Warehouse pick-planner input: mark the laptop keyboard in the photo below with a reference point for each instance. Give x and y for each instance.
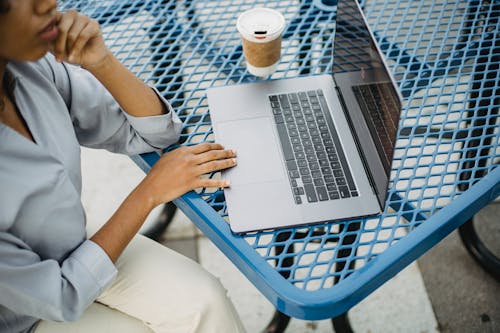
(316, 163)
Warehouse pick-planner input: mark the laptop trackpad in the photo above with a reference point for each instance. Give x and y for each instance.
(259, 157)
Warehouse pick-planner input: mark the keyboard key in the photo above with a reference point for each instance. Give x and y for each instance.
(297, 147)
(310, 193)
(334, 165)
(310, 154)
(331, 187)
(324, 163)
(314, 165)
(304, 171)
(321, 155)
(338, 173)
(311, 158)
(318, 147)
(284, 101)
(291, 165)
(318, 181)
(302, 163)
(285, 143)
(298, 200)
(326, 171)
(328, 178)
(344, 192)
(331, 150)
(298, 191)
(340, 181)
(322, 194)
(334, 195)
(278, 118)
(302, 128)
(307, 179)
(316, 174)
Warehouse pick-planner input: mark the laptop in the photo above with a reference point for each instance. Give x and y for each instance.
(311, 149)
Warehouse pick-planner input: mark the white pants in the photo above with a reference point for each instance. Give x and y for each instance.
(156, 290)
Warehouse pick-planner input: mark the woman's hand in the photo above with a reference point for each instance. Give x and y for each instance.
(180, 171)
(79, 40)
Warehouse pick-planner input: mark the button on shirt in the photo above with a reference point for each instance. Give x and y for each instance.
(48, 269)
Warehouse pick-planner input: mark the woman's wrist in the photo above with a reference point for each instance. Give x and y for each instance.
(144, 195)
(101, 66)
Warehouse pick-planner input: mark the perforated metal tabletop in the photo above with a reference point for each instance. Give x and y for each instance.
(445, 56)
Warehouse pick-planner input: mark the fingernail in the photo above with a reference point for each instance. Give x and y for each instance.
(234, 161)
(227, 183)
(233, 151)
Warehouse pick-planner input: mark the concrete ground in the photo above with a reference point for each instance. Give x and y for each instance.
(444, 292)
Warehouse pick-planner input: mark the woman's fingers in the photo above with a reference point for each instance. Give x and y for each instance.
(79, 37)
(212, 155)
(207, 182)
(74, 32)
(204, 147)
(217, 165)
(65, 21)
(79, 40)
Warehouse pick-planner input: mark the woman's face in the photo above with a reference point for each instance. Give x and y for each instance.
(28, 29)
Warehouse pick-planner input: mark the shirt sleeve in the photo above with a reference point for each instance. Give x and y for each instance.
(99, 121)
(47, 289)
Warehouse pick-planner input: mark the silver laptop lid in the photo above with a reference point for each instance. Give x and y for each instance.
(358, 64)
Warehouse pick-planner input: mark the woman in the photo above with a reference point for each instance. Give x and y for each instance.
(52, 278)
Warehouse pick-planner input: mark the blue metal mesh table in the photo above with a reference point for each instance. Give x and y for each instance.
(445, 57)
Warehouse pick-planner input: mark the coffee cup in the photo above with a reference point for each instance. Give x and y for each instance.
(261, 30)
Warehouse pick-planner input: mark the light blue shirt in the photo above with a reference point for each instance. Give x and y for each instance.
(48, 269)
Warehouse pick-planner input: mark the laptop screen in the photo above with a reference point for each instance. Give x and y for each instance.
(355, 52)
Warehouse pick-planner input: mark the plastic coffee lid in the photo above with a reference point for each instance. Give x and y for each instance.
(260, 25)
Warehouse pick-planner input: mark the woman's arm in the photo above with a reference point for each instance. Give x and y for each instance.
(80, 42)
(176, 173)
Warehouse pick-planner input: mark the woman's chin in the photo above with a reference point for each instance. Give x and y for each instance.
(37, 55)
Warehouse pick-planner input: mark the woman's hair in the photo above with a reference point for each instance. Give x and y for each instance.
(4, 6)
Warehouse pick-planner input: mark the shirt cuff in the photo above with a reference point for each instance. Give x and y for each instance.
(156, 124)
(97, 263)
